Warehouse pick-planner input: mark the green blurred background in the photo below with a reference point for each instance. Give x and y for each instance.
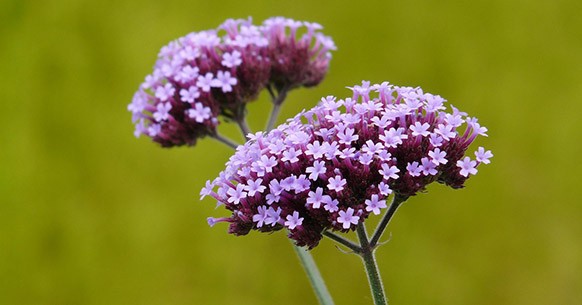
(90, 215)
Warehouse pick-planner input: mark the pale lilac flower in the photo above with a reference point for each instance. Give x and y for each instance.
(165, 92)
(224, 81)
(138, 103)
(231, 60)
(446, 131)
(293, 220)
(206, 190)
(483, 156)
(434, 103)
(199, 113)
(267, 163)
(316, 170)
(190, 53)
(382, 122)
(315, 149)
(454, 120)
(140, 129)
(253, 187)
(468, 167)
(315, 199)
(347, 218)
(389, 172)
(163, 112)
(331, 205)
(187, 74)
(361, 91)
(277, 148)
(347, 153)
(428, 167)
(288, 183)
(301, 184)
(154, 129)
(236, 194)
(291, 155)
(336, 183)
(189, 95)
(366, 158)
(438, 156)
(371, 147)
(273, 216)
(261, 216)
(436, 140)
(384, 188)
(347, 136)
(384, 155)
(204, 82)
(419, 129)
(414, 169)
(393, 137)
(374, 205)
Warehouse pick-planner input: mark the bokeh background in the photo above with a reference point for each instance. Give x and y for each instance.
(90, 215)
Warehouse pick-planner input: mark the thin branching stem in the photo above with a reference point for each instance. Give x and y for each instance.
(306, 260)
(277, 101)
(342, 241)
(398, 199)
(371, 266)
(273, 117)
(244, 127)
(224, 140)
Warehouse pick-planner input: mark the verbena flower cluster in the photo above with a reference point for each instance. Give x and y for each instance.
(210, 73)
(330, 167)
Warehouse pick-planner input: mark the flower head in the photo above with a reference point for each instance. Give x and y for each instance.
(216, 72)
(299, 53)
(196, 78)
(349, 156)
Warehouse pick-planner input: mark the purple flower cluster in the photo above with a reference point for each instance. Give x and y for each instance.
(297, 60)
(210, 73)
(330, 167)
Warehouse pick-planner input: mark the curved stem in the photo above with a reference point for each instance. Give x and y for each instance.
(277, 102)
(244, 127)
(314, 276)
(224, 140)
(342, 241)
(398, 199)
(372, 271)
(273, 117)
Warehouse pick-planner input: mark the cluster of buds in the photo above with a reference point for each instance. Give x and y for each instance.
(297, 60)
(208, 74)
(329, 168)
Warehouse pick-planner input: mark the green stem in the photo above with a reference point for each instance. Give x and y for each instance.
(244, 127)
(398, 199)
(277, 102)
(372, 271)
(224, 140)
(314, 276)
(342, 241)
(273, 117)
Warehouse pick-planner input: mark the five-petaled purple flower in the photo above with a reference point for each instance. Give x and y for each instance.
(329, 168)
